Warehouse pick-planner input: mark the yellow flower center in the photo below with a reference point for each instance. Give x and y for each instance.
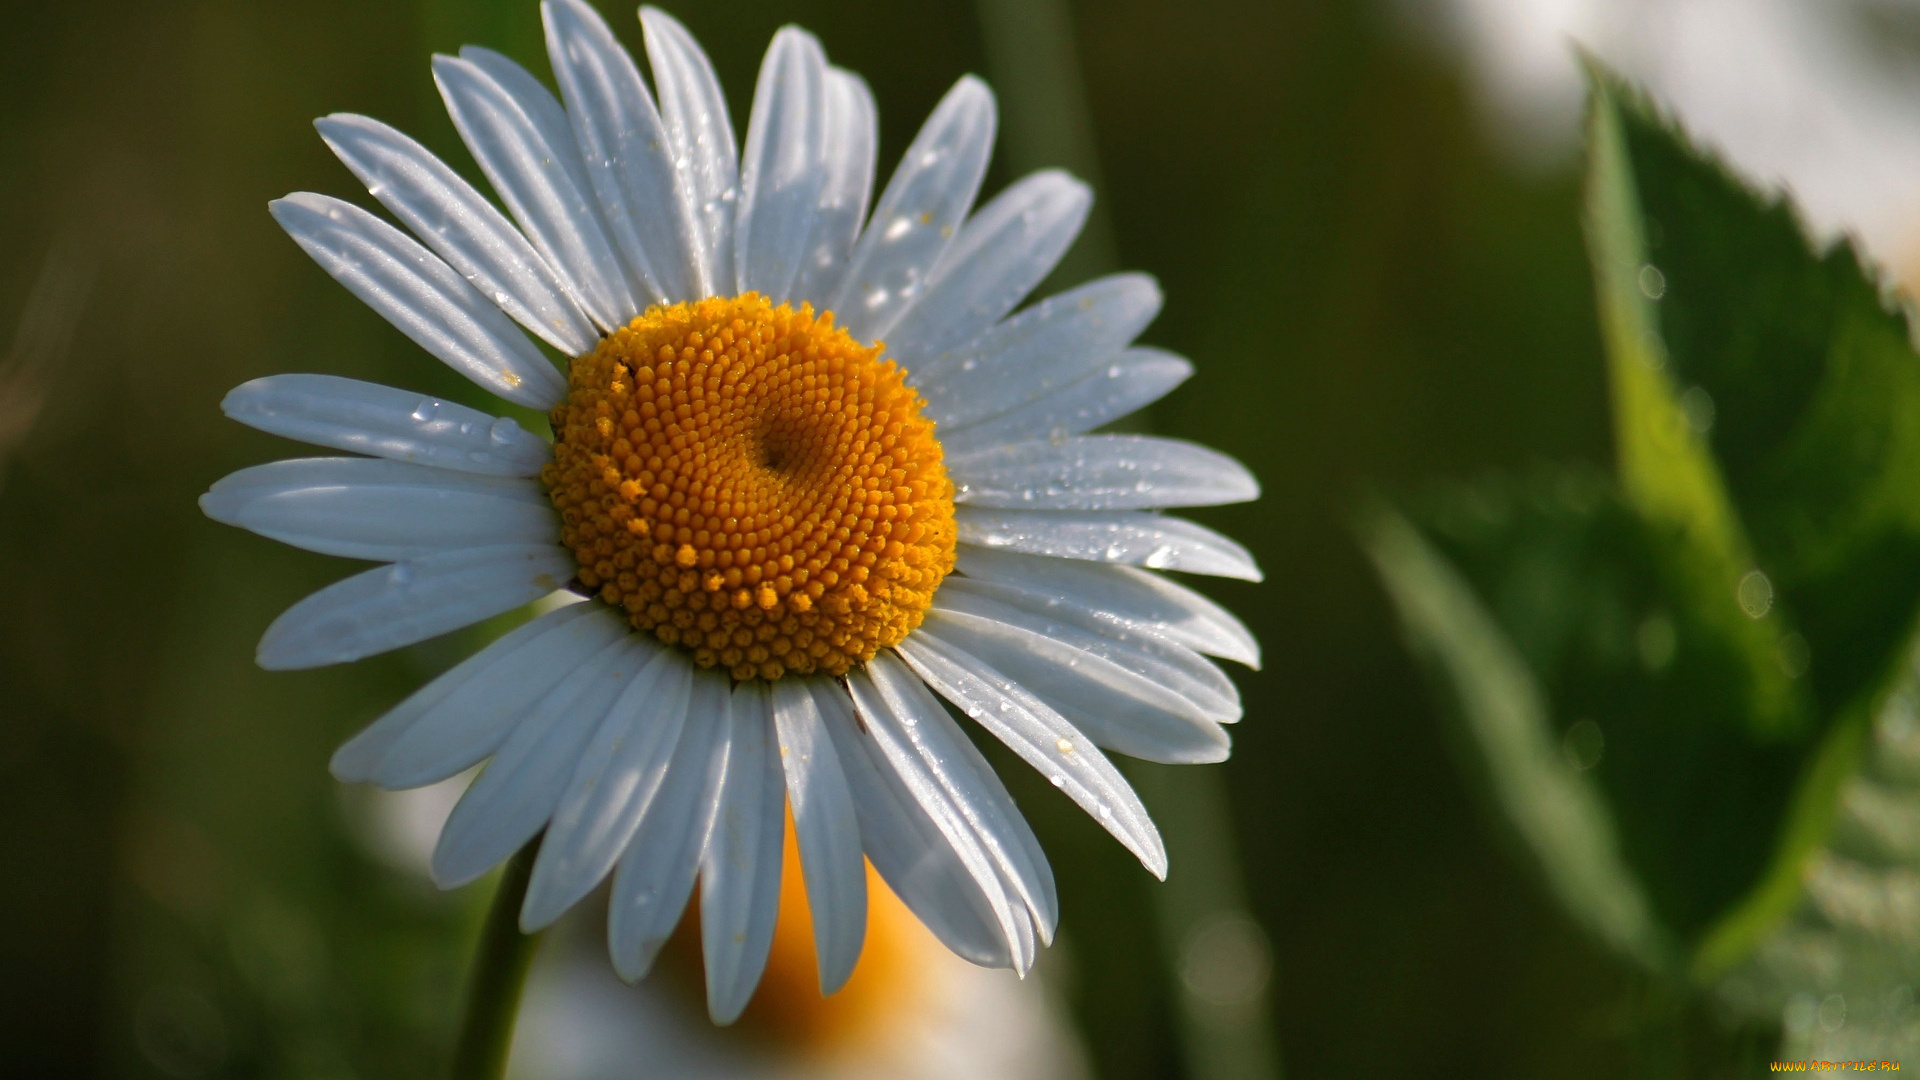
(750, 483)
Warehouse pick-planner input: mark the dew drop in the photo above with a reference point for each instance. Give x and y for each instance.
(1833, 1013)
(1226, 961)
(1657, 640)
(1755, 594)
(1583, 744)
(1653, 283)
(1697, 406)
(504, 431)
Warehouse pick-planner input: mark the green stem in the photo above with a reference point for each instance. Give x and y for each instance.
(1225, 1007)
(499, 974)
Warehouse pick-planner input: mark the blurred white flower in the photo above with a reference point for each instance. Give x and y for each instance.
(911, 1010)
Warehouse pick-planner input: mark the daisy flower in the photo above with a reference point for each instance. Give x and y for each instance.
(810, 470)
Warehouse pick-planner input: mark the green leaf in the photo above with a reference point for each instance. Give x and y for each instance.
(1806, 384)
(1767, 414)
(1505, 718)
(1623, 675)
(1853, 934)
(1666, 468)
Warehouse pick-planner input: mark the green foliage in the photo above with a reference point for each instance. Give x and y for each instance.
(1814, 398)
(1525, 555)
(1664, 677)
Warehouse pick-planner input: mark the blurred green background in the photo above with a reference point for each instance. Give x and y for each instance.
(1372, 296)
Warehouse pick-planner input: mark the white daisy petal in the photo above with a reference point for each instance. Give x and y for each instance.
(462, 227)
(517, 791)
(919, 212)
(1172, 669)
(999, 257)
(289, 473)
(693, 112)
(1052, 344)
(367, 418)
(1130, 599)
(1115, 707)
(421, 295)
(740, 870)
(851, 142)
(536, 171)
(655, 875)
(457, 720)
(784, 168)
(1100, 472)
(1132, 539)
(616, 779)
(827, 829)
(540, 107)
(1027, 941)
(1043, 738)
(366, 508)
(620, 138)
(937, 760)
(391, 606)
(944, 879)
(1136, 378)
